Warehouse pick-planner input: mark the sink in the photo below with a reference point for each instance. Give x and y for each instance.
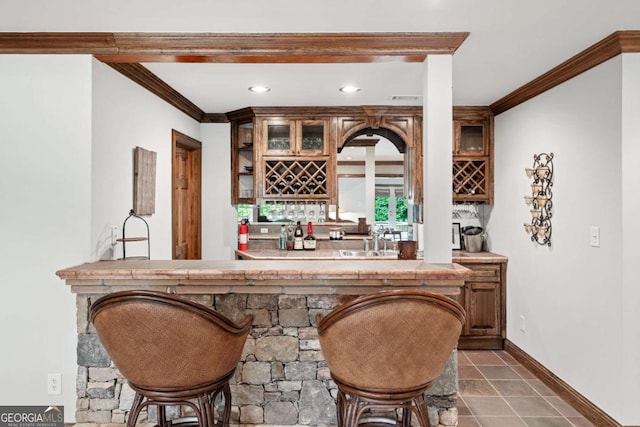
(367, 254)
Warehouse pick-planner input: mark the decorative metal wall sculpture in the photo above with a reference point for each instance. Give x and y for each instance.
(541, 175)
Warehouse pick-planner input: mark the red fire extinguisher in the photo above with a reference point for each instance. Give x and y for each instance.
(243, 235)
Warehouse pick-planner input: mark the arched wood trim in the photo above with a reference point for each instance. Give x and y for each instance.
(389, 134)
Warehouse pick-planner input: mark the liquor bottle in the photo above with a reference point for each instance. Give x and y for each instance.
(310, 241)
(282, 239)
(298, 244)
(290, 237)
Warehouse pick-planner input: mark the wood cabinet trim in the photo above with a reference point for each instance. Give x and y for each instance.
(607, 48)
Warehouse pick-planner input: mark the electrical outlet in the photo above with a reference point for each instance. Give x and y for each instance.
(54, 383)
(522, 323)
(594, 236)
(264, 231)
(114, 234)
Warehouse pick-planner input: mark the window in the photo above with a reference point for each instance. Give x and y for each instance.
(382, 209)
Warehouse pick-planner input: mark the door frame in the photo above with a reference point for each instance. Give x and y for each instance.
(179, 139)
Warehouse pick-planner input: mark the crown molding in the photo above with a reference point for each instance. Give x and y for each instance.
(609, 47)
(157, 86)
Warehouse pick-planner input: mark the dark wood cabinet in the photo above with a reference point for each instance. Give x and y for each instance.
(243, 161)
(472, 155)
(293, 150)
(484, 299)
(282, 153)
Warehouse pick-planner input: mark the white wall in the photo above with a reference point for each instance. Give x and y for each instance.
(219, 217)
(572, 294)
(45, 159)
(631, 231)
(125, 115)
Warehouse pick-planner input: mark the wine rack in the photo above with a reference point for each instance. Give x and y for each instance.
(470, 178)
(291, 178)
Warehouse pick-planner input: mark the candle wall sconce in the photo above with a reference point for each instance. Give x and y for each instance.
(539, 202)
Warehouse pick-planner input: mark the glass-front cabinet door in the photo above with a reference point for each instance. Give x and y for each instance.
(295, 137)
(242, 163)
(279, 137)
(470, 138)
(312, 137)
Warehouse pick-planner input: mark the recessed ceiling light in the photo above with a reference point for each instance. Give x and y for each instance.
(349, 89)
(259, 89)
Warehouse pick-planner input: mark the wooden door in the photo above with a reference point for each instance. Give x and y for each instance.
(186, 197)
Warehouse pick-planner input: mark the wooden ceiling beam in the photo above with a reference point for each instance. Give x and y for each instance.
(239, 47)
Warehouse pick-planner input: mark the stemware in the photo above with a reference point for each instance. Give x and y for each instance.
(291, 212)
(321, 213)
(280, 215)
(301, 213)
(311, 213)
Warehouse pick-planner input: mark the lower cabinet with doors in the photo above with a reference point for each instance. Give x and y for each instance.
(484, 299)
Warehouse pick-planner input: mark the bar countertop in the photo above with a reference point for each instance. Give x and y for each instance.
(282, 276)
(333, 254)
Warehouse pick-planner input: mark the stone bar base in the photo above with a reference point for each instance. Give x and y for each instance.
(282, 378)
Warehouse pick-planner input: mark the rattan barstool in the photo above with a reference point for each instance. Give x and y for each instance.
(172, 351)
(385, 349)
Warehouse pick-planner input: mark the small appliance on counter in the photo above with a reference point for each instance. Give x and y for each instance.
(473, 238)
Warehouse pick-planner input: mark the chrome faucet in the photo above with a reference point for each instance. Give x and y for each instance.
(376, 240)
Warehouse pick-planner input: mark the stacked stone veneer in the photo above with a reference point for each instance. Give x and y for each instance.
(282, 378)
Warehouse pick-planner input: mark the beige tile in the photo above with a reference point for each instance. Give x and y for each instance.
(463, 359)
(469, 372)
(547, 422)
(513, 388)
(499, 372)
(523, 372)
(467, 421)
(508, 359)
(489, 406)
(541, 388)
(501, 422)
(580, 422)
(563, 407)
(484, 358)
(530, 406)
(476, 388)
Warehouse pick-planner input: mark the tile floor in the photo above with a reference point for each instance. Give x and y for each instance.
(495, 390)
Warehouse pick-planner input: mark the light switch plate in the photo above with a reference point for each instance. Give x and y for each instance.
(594, 236)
